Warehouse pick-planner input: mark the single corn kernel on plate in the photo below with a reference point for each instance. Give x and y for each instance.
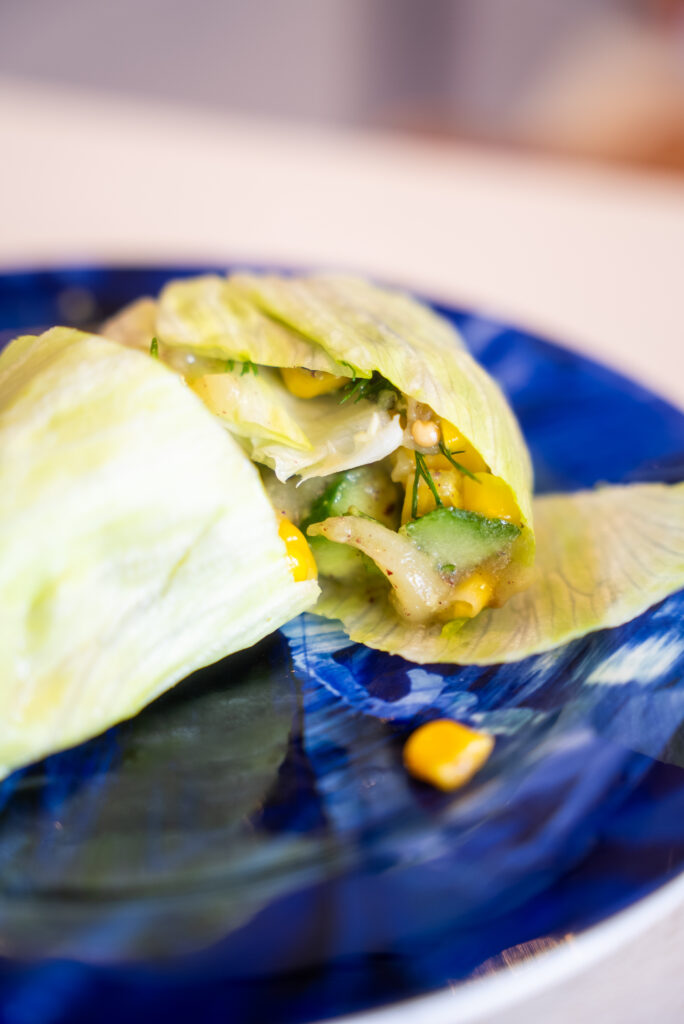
(446, 754)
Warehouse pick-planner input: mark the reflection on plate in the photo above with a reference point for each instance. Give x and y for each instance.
(250, 847)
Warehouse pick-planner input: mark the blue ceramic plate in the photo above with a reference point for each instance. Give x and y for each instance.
(249, 848)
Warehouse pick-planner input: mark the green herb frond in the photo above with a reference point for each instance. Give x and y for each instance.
(154, 348)
(368, 388)
(422, 470)
(449, 455)
(248, 366)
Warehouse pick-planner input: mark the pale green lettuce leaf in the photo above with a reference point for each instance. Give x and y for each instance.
(138, 542)
(341, 436)
(210, 317)
(256, 407)
(305, 436)
(419, 352)
(603, 557)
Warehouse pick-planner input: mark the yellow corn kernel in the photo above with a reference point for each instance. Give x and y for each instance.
(447, 483)
(446, 753)
(492, 497)
(456, 442)
(304, 383)
(300, 559)
(471, 595)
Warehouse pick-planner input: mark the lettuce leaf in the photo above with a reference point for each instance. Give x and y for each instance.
(309, 437)
(255, 407)
(603, 557)
(341, 437)
(211, 317)
(138, 542)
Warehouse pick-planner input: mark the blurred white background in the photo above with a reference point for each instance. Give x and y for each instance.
(603, 78)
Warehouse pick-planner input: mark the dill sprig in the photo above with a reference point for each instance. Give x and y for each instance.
(154, 348)
(422, 470)
(247, 366)
(449, 455)
(368, 388)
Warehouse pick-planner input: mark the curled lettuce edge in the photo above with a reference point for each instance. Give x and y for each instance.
(138, 541)
(603, 558)
(211, 317)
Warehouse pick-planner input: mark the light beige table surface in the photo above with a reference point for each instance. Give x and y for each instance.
(594, 258)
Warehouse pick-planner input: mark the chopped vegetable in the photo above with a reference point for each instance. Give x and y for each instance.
(490, 496)
(301, 561)
(460, 538)
(419, 593)
(305, 383)
(446, 754)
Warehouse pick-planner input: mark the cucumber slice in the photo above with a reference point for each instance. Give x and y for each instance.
(343, 563)
(367, 490)
(459, 540)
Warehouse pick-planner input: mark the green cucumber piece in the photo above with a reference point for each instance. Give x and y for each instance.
(365, 490)
(341, 562)
(459, 540)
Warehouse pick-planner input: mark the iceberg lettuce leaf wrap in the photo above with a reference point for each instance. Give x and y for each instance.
(138, 541)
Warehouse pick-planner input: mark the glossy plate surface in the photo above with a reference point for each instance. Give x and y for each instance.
(250, 848)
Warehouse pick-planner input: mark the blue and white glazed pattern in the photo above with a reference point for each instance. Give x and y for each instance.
(139, 877)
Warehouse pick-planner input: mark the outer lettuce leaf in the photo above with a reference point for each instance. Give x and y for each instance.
(210, 317)
(311, 437)
(138, 542)
(419, 352)
(603, 557)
